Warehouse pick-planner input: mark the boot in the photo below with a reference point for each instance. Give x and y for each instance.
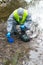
(25, 38)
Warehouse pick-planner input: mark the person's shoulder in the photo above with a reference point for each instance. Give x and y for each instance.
(29, 15)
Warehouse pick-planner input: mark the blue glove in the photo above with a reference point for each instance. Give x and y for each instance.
(22, 27)
(8, 35)
(9, 39)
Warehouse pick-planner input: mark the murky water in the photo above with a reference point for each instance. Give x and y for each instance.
(37, 13)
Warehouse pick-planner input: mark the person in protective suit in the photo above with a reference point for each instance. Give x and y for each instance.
(20, 17)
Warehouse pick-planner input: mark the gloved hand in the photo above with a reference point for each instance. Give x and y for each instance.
(8, 35)
(9, 38)
(22, 27)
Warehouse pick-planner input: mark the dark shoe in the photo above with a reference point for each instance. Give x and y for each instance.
(15, 33)
(25, 38)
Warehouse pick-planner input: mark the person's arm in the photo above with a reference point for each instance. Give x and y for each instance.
(28, 21)
(10, 23)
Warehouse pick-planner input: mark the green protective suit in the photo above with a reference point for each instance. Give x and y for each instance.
(17, 18)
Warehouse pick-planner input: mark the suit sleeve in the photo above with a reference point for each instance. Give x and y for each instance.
(28, 21)
(10, 23)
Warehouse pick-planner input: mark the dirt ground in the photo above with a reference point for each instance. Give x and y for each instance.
(19, 52)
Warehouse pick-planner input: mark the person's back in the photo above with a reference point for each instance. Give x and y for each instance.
(20, 17)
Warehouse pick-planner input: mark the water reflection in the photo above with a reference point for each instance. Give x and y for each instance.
(37, 13)
(28, 1)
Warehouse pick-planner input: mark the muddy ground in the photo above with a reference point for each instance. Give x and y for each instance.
(19, 52)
